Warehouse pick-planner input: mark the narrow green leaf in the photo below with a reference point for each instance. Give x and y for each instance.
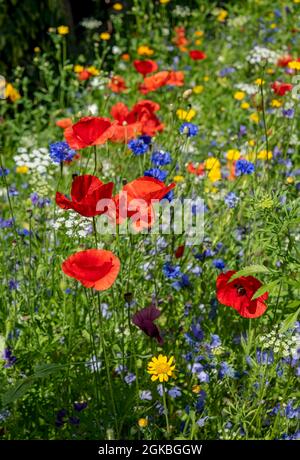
(269, 287)
(290, 320)
(250, 270)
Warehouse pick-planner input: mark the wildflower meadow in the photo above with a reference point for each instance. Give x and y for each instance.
(149, 224)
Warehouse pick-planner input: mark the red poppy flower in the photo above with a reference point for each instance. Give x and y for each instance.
(145, 67)
(64, 123)
(135, 201)
(89, 131)
(94, 268)
(141, 119)
(179, 251)
(84, 75)
(197, 55)
(160, 79)
(238, 293)
(117, 84)
(127, 127)
(283, 61)
(281, 88)
(86, 192)
(176, 78)
(198, 170)
(154, 82)
(144, 320)
(180, 39)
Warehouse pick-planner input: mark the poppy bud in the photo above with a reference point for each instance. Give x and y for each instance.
(128, 296)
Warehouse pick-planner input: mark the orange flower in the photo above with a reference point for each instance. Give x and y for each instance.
(64, 123)
(117, 84)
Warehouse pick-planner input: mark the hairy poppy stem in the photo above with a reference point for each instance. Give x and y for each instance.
(166, 409)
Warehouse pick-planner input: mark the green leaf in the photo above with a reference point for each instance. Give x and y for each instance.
(269, 287)
(17, 391)
(250, 270)
(290, 320)
(44, 370)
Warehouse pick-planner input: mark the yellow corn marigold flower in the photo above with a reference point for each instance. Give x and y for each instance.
(104, 36)
(273, 26)
(276, 103)
(214, 175)
(145, 50)
(254, 117)
(198, 89)
(164, 2)
(239, 95)
(233, 154)
(252, 142)
(22, 169)
(186, 115)
(290, 180)
(78, 68)
(178, 179)
(222, 15)
(161, 368)
(259, 81)
(198, 42)
(196, 389)
(63, 30)
(245, 105)
(264, 155)
(93, 71)
(11, 93)
(142, 422)
(212, 163)
(295, 65)
(206, 78)
(118, 6)
(270, 71)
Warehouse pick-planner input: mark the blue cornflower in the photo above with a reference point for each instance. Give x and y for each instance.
(215, 341)
(13, 285)
(189, 129)
(174, 392)
(6, 223)
(8, 357)
(138, 146)
(243, 166)
(169, 196)
(264, 356)
(161, 158)
(171, 271)
(146, 139)
(203, 377)
(4, 172)
(226, 71)
(130, 378)
(288, 113)
(242, 130)
(197, 331)
(231, 200)
(201, 421)
(146, 395)
(156, 173)
(225, 370)
(79, 406)
(184, 282)
(219, 264)
(61, 151)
